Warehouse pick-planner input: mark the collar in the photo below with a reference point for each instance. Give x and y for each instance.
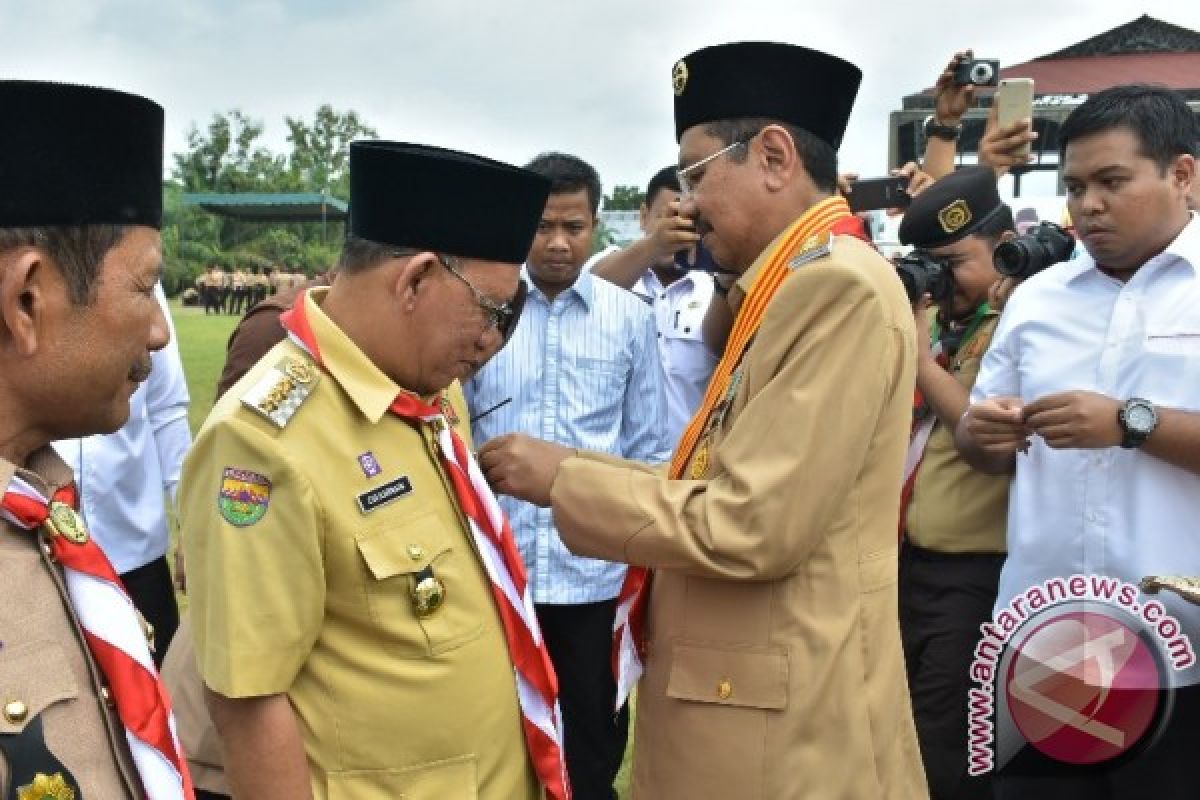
(1184, 248)
(835, 205)
(583, 287)
(46, 470)
(649, 282)
(367, 386)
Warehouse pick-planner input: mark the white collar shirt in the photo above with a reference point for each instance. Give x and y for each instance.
(1114, 512)
(687, 361)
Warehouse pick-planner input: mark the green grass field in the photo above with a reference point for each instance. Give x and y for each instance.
(202, 347)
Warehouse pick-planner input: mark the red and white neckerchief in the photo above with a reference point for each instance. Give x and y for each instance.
(832, 216)
(113, 631)
(537, 685)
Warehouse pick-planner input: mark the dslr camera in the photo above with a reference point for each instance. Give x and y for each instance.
(1042, 246)
(925, 274)
(978, 72)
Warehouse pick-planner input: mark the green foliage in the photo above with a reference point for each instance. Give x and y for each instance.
(227, 156)
(624, 198)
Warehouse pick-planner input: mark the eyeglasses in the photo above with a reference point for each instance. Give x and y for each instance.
(686, 185)
(501, 316)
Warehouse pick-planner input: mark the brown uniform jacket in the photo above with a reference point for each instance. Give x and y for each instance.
(774, 666)
(46, 672)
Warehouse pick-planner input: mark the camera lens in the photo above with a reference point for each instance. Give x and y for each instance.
(1009, 258)
(981, 72)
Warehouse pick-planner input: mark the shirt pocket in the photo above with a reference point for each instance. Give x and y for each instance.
(438, 780)
(399, 555)
(1169, 368)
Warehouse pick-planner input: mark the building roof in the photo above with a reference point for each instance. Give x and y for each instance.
(1143, 35)
(271, 207)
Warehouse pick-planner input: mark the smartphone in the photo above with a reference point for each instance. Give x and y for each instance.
(871, 194)
(1014, 102)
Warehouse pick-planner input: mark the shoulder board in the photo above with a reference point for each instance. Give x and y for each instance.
(816, 246)
(282, 389)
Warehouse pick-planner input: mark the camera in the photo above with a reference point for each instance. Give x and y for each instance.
(1043, 245)
(978, 72)
(924, 274)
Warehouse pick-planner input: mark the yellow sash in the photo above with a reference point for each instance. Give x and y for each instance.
(818, 220)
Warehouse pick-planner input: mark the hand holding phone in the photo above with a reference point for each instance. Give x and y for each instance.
(871, 194)
(1014, 102)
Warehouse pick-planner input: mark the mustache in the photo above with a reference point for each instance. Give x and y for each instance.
(140, 372)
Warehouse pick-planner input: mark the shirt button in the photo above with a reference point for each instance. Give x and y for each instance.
(724, 689)
(15, 711)
(1092, 516)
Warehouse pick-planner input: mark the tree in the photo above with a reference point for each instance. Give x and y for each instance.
(320, 158)
(624, 198)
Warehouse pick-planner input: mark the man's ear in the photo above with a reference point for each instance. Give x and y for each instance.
(1184, 171)
(409, 277)
(27, 283)
(778, 155)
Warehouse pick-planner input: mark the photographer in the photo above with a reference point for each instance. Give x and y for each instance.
(953, 516)
(1094, 375)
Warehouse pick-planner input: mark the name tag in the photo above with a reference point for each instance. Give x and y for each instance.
(380, 496)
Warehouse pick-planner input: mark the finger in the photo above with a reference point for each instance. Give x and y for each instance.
(1052, 417)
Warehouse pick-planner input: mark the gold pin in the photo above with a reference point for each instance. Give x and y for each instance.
(724, 689)
(65, 521)
(15, 711)
(415, 551)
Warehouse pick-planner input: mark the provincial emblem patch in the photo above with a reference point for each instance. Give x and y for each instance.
(244, 496)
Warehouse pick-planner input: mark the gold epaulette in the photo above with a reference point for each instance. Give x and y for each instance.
(816, 246)
(282, 390)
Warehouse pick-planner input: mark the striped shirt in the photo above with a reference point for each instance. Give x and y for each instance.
(582, 371)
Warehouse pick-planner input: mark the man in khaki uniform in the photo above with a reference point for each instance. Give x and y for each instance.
(80, 208)
(954, 517)
(773, 661)
(343, 621)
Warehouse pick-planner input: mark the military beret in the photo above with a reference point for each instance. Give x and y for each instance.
(803, 87)
(414, 195)
(79, 155)
(952, 208)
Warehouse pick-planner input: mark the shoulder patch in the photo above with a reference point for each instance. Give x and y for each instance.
(282, 390)
(244, 496)
(816, 246)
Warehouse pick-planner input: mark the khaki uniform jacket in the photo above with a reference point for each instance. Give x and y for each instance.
(774, 668)
(44, 663)
(304, 544)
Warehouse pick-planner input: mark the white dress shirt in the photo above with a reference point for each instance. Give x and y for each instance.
(687, 362)
(122, 476)
(1112, 511)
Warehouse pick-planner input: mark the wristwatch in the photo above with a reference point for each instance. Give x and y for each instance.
(936, 130)
(1137, 419)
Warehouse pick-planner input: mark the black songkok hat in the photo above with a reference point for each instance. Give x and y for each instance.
(952, 208)
(805, 88)
(415, 195)
(79, 155)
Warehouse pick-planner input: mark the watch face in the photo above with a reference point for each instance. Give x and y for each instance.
(1139, 418)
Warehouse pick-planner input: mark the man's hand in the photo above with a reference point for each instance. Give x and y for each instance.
(918, 181)
(997, 426)
(1083, 420)
(521, 466)
(672, 233)
(951, 101)
(999, 292)
(998, 147)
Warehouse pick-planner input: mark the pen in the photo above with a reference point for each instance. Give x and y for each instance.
(487, 411)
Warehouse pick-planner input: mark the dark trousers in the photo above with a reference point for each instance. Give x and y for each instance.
(212, 299)
(153, 593)
(1164, 771)
(579, 638)
(944, 598)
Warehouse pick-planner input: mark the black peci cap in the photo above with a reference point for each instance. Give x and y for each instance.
(951, 209)
(414, 195)
(803, 87)
(79, 155)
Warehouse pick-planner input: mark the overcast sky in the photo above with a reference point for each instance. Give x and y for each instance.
(511, 79)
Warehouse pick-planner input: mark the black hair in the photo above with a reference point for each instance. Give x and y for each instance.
(1159, 117)
(996, 225)
(818, 157)
(665, 178)
(568, 174)
(359, 255)
(78, 250)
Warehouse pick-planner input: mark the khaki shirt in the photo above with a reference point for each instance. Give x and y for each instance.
(296, 589)
(955, 508)
(45, 665)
